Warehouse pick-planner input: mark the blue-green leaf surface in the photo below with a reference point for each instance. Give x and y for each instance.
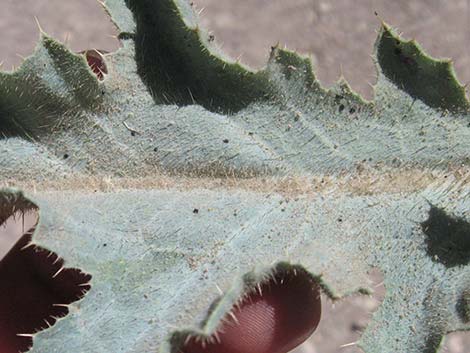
(279, 169)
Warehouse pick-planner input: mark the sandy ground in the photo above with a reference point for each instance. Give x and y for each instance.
(338, 34)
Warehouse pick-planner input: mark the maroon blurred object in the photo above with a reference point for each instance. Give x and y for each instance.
(96, 62)
(35, 289)
(276, 319)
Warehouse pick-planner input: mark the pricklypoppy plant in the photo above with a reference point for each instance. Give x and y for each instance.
(166, 171)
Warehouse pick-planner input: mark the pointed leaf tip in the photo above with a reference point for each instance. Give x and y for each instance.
(423, 77)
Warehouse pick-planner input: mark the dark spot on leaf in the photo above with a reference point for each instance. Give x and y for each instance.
(126, 36)
(409, 61)
(338, 97)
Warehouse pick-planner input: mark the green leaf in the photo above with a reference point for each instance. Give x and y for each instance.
(432, 81)
(280, 170)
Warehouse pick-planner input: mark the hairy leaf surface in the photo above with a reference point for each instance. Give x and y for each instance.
(182, 171)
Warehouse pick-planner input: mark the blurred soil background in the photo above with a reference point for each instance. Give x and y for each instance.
(338, 34)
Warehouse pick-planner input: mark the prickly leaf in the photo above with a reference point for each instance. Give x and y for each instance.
(166, 171)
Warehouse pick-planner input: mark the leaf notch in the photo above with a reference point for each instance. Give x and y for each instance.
(276, 311)
(36, 288)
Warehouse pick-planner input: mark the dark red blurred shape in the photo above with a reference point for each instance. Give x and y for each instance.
(28, 293)
(96, 62)
(276, 321)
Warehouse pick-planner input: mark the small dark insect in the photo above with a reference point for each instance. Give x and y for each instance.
(407, 60)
